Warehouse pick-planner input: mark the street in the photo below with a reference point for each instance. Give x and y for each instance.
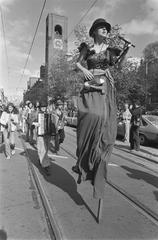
(35, 201)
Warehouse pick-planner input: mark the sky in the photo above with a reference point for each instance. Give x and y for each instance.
(138, 20)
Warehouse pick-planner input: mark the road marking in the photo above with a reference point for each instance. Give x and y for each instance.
(57, 156)
(113, 164)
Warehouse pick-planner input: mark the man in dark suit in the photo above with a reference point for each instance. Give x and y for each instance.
(135, 126)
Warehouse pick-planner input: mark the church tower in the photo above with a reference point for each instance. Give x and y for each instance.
(56, 40)
(56, 37)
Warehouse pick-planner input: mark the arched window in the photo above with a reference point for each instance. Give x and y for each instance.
(58, 30)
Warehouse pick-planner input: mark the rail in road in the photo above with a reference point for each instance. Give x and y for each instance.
(55, 231)
(52, 225)
(138, 159)
(148, 157)
(145, 210)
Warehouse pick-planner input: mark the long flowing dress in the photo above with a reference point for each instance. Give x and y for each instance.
(96, 128)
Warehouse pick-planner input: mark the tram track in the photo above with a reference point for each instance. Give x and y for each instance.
(129, 159)
(142, 208)
(53, 227)
(150, 159)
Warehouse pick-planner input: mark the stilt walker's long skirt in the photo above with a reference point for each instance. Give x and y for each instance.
(96, 133)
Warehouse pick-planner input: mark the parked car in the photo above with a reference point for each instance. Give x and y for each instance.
(153, 112)
(148, 130)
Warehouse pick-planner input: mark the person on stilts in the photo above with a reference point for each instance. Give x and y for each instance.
(96, 123)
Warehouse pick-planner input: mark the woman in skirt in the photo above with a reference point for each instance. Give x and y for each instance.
(96, 129)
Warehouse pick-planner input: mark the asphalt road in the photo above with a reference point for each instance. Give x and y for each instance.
(73, 207)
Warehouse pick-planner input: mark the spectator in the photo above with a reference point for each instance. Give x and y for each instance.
(43, 142)
(29, 120)
(21, 117)
(135, 126)
(24, 117)
(61, 117)
(9, 121)
(1, 111)
(127, 118)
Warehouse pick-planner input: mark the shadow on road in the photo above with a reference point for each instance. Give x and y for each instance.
(60, 178)
(142, 150)
(140, 175)
(156, 195)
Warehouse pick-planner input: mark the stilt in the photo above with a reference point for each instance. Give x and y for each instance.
(100, 210)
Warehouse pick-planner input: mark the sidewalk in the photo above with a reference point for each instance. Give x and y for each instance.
(21, 213)
(145, 151)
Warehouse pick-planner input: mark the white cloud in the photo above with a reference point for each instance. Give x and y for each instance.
(138, 27)
(59, 10)
(146, 25)
(25, 73)
(112, 4)
(6, 3)
(104, 10)
(18, 32)
(17, 45)
(152, 7)
(35, 73)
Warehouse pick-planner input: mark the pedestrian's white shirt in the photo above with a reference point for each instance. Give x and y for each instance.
(5, 119)
(127, 115)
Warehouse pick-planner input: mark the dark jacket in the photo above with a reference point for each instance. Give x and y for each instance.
(136, 116)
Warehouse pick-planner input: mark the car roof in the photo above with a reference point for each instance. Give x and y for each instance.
(150, 118)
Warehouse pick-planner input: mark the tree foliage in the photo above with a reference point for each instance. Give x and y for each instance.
(151, 68)
(151, 51)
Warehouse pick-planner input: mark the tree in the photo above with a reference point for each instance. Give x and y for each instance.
(151, 51)
(151, 69)
(58, 78)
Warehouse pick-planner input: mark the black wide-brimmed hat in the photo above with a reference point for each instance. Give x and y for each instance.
(10, 104)
(100, 22)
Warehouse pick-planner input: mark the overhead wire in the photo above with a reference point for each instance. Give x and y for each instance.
(88, 10)
(82, 17)
(5, 43)
(24, 68)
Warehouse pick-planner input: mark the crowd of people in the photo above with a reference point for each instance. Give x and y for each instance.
(26, 119)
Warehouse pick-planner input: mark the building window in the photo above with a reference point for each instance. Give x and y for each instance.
(58, 30)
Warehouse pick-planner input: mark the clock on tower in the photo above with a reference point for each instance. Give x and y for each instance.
(58, 44)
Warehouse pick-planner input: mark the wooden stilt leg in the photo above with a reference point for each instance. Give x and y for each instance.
(100, 210)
